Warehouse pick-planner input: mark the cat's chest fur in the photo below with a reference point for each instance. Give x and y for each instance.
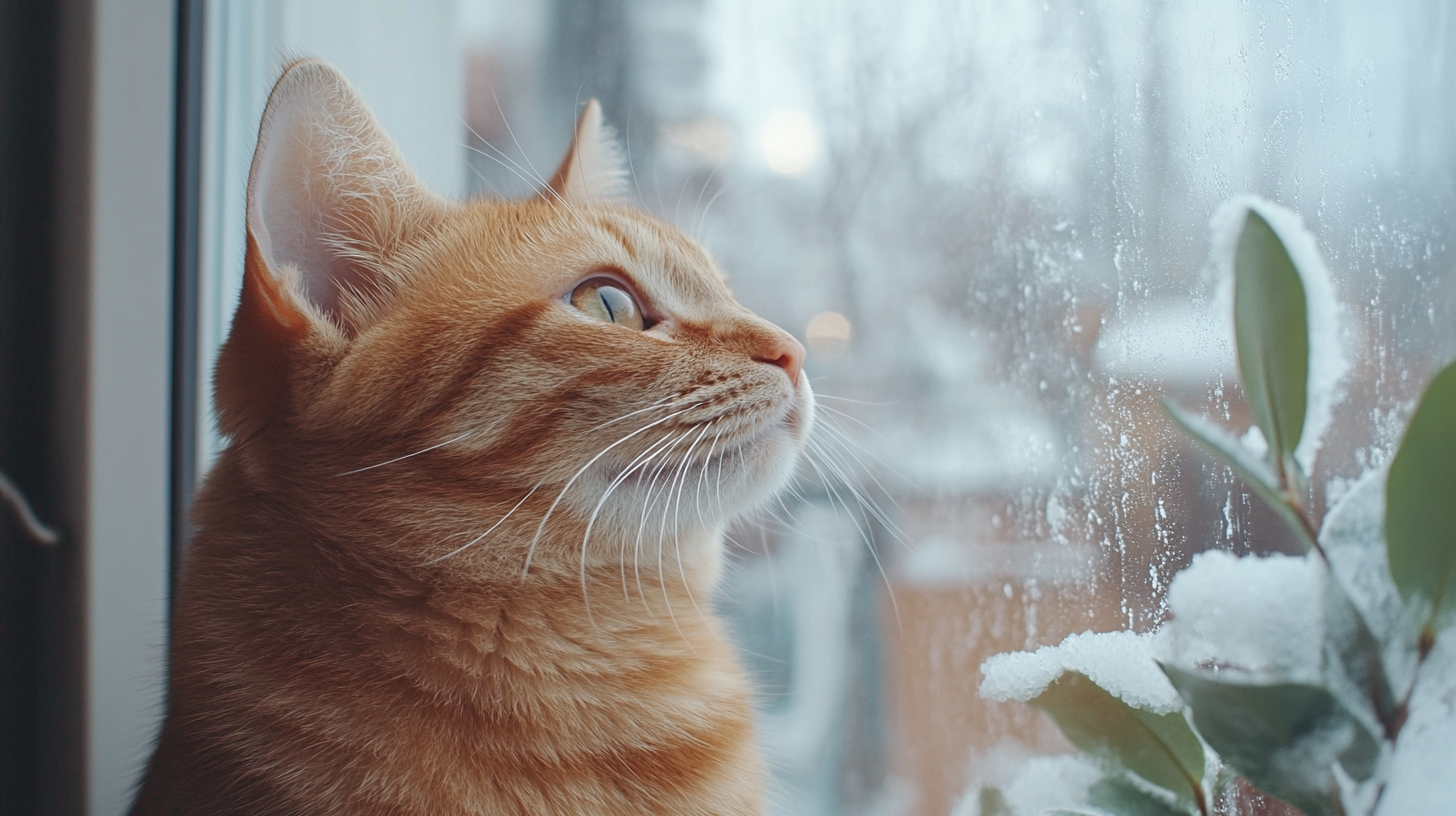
(459, 553)
(506, 700)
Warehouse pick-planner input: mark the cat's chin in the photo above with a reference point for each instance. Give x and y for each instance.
(727, 481)
(800, 418)
(769, 458)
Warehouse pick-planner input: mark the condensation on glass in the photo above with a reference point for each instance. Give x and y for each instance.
(988, 223)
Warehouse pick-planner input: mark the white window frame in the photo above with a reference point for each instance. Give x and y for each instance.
(121, 240)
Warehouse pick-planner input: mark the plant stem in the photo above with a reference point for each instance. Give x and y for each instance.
(1312, 533)
(1296, 506)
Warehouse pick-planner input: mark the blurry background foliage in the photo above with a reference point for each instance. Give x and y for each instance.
(988, 221)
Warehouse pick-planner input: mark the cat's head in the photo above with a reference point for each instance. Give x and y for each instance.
(408, 370)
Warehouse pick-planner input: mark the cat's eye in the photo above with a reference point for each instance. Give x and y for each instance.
(606, 299)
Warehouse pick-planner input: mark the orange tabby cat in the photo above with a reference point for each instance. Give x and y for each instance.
(459, 553)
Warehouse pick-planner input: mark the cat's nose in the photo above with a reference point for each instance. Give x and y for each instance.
(786, 353)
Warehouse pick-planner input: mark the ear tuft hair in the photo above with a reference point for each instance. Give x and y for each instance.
(594, 168)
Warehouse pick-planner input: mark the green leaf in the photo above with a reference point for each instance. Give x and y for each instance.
(1272, 334)
(1160, 748)
(1283, 737)
(1420, 503)
(1255, 472)
(1121, 796)
(1353, 664)
(992, 802)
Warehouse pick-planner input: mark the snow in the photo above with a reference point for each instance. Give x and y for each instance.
(1264, 615)
(1120, 662)
(1419, 771)
(1254, 442)
(1327, 364)
(1046, 784)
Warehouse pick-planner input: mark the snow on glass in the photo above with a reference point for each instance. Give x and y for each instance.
(1326, 679)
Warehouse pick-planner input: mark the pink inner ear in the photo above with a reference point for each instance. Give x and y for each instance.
(294, 207)
(330, 195)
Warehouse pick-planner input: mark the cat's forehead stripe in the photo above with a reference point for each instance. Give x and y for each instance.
(617, 232)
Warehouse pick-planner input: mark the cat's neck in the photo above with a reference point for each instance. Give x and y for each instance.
(327, 575)
(457, 697)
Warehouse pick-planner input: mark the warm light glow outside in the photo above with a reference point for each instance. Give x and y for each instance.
(828, 334)
(789, 141)
(708, 138)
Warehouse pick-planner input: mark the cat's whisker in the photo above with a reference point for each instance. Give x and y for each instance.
(677, 209)
(703, 216)
(408, 455)
(856, 420)
(657, 186)
(507, 122)
(482, 536)
(542, 181)
(793, 489)
(627, 143)
(531, 177)
(661, 576)
(722, 459)
(659, 404)
(703, 476)
(482, 177)
(844, 441)
(798, 525)
(677, 518)
(675, 486)
(667, 504)
(667, 496)
(842, 470)
(773, 584)
(508, 163)
(468, 146)
(815, 447)
(531, 551)
(849, 443)
(863, 533)
(837, 475)
(646, 509)
(626, 595)
(833, 493)
(697, 205)
(822, 396)
(591, 521)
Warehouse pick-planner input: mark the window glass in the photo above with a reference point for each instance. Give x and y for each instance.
(988, 222)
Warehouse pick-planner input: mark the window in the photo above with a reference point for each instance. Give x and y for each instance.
(988, 221)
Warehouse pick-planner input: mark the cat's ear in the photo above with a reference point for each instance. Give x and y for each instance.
(593, 167)
(330, 204)
(330, 200)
